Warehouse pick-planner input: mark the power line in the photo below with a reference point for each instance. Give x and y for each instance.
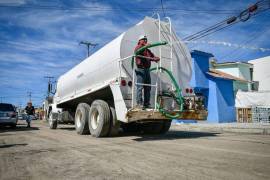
(95, 8)
(20, 97)
(162, 8)
(233, 45)
(29, 95)
(243, 16)
(253, 37)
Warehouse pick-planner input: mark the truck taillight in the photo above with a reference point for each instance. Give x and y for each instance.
(129, 83)
(189, 90)
(123, 82)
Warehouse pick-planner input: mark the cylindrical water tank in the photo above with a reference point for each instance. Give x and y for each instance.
(103, 66)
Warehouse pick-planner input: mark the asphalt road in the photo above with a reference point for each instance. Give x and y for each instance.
(41, 153)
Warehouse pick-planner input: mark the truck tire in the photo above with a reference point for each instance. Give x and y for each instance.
(114, 123)
(166, 126)
(99, 118)
(52, 121)
(81, 118)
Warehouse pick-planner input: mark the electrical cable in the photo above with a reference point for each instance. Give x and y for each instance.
(256, 15)
(95, 8)
(253, 37)
(242, 17)
(162, 8)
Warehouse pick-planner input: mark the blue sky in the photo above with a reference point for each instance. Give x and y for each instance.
(41, 37)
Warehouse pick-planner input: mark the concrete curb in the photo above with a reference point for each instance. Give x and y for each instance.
(251, 128)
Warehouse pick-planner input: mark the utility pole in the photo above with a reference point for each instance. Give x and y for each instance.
(49, 84)
(30, 95)
(88, 44)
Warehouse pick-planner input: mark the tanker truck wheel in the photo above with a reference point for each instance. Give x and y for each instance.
(99, 118)
(114, 123)
(81, 118)
(166, 126)
(52, 121)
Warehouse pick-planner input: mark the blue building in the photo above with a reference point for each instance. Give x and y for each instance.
(216, 86)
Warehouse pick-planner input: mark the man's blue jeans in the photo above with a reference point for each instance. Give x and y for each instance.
(29, 119)
(143, 76)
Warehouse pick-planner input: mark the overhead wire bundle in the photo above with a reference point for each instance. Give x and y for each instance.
(105, 9)
(243, 16)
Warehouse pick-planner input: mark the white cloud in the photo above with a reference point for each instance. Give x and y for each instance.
(12, 2)
(11, 58)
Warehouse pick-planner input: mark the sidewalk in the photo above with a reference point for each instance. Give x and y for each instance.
(250, 128)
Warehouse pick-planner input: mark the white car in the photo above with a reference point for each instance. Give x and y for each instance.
(8, 115)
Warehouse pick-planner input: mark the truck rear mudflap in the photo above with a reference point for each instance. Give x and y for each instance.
(152, 115)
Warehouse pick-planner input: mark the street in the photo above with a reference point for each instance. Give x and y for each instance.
(42, 153)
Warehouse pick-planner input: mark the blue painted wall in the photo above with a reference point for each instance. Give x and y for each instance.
(217, 91)
(200, 64)
(212, 105)
(221, 107)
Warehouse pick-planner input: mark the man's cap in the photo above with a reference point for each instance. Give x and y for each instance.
(142, 37)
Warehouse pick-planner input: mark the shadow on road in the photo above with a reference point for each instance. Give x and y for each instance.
(67, 128)
(11, 145)
(19, 127)
(171, 135)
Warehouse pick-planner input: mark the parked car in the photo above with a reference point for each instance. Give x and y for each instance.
(8, 115)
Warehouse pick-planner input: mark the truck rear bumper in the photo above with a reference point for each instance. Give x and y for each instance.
(146, 115)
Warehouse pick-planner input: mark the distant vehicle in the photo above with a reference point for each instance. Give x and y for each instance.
(22, 116)
(35, 117)
(8, 115)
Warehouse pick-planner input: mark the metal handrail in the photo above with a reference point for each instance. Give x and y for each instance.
(133, 87)
(171, 43)
(159, 64)
(152, 85)
(125, 58)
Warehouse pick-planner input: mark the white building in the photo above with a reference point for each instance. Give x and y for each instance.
(241, 70)
(261, 72)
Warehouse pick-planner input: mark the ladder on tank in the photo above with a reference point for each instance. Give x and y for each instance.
(167, 35)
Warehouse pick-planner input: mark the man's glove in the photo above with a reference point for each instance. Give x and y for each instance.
(156, 59)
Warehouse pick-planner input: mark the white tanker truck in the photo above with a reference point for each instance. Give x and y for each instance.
(98, 95)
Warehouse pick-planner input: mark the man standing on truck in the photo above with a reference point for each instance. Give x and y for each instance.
(30, 111)
(143, 62)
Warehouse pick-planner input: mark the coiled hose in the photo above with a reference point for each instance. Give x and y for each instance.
(177, 95)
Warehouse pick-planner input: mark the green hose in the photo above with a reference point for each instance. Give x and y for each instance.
(146, 47)
(178, 97)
